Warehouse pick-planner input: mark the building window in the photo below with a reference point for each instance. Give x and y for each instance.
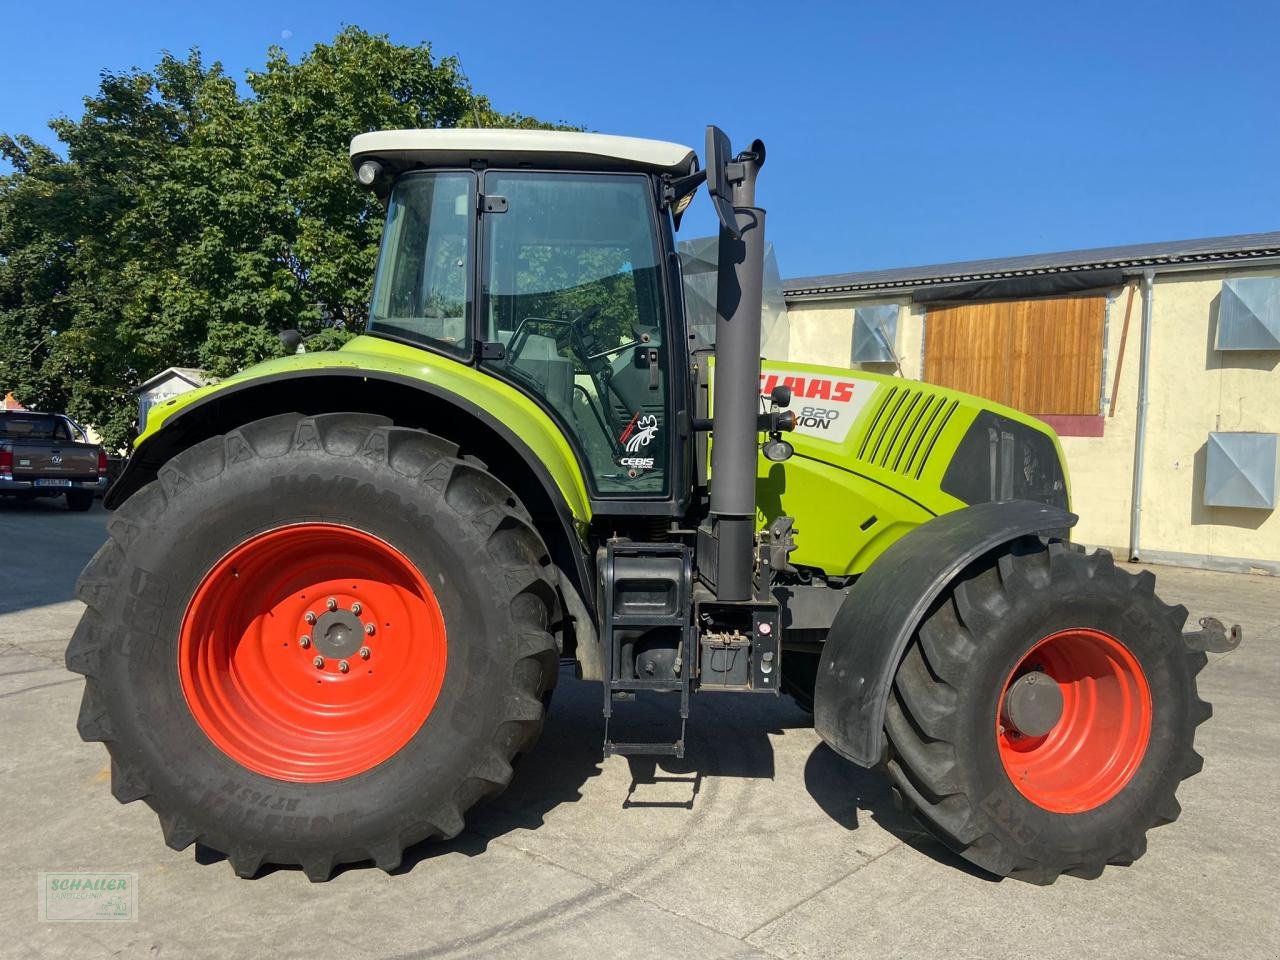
(1043, 356)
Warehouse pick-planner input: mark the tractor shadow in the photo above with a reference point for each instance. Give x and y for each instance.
(841, 789)
(728, 737)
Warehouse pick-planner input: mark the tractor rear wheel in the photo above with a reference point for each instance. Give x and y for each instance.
(1044, 714)
(315, 641)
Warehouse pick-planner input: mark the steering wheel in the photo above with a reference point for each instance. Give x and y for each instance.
(597, 367)
(578, 331)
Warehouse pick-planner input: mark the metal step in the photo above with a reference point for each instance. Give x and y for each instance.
(676, 749)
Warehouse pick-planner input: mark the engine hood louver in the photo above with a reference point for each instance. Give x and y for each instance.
(904, 429)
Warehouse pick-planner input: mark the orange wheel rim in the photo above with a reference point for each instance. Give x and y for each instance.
(1098, 742)
(312, 652)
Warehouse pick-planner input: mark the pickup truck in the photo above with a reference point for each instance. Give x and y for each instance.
(48, 455)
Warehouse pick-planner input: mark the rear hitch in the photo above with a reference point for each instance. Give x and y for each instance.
(1213, 637)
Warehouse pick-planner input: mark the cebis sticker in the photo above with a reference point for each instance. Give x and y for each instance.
(825, 406)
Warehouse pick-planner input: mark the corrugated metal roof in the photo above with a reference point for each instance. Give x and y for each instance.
(1207, 250)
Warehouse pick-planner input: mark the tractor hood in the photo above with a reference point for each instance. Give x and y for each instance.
(875, 454)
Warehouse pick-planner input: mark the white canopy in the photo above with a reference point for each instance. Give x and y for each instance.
(457, 146)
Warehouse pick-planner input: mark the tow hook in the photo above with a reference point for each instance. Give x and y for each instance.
(1213, 637)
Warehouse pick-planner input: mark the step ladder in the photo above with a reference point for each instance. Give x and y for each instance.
(646, 586)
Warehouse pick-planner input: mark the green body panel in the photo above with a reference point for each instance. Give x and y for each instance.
(882, 455)
(376, 355)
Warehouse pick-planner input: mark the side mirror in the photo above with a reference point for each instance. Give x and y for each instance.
(291, 339)
(719, 154)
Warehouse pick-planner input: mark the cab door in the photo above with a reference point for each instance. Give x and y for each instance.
(573, 311)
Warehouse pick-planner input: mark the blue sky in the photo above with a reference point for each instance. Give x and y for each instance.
(898, 133)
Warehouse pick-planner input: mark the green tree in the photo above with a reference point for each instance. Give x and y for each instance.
(189, 222)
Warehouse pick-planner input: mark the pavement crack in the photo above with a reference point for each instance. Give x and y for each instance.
(16, 673)
(602, 886)
(821, 890)
(38, 686)
(10, 646)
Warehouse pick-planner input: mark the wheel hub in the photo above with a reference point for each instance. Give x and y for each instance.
(1073, 720)
(338, 634)
(1033, 704)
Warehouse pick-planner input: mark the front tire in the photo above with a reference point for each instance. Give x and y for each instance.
(349, 746)
(79, 501)
(1081, 791)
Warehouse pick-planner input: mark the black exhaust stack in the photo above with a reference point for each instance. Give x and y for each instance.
(736, 402)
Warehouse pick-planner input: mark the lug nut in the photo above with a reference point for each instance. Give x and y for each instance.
(331, 603)
(304, 641)
(343, 666)
(356, 608)
(368, 628)
(319, 662)
(364, 653)
(310, 617)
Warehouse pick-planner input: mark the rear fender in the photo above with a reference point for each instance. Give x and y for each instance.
(346, 374)
(888, 603)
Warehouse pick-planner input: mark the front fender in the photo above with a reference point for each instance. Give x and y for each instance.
(887, 604)
(527, 427)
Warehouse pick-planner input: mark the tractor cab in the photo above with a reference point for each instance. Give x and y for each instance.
(548, 259)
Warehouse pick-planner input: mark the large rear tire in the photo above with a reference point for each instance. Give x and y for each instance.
(1120, 730)
(425, 598)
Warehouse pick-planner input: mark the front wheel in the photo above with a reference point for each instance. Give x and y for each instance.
(316, 641)
(1044, 715)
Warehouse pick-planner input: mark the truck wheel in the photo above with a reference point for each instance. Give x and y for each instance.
(315, 641)
(79, 500)
(1045, 713)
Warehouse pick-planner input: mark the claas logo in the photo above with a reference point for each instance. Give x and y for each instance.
(810, 388)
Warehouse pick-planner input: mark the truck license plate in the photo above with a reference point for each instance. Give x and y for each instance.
(53, 483)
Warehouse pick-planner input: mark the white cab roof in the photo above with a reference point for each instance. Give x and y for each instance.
(454, 147)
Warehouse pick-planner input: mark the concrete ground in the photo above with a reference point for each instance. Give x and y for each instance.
(763, 843)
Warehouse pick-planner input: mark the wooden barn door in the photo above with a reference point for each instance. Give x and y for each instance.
(1039, 356)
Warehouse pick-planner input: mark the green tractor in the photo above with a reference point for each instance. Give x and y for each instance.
(338, 586)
